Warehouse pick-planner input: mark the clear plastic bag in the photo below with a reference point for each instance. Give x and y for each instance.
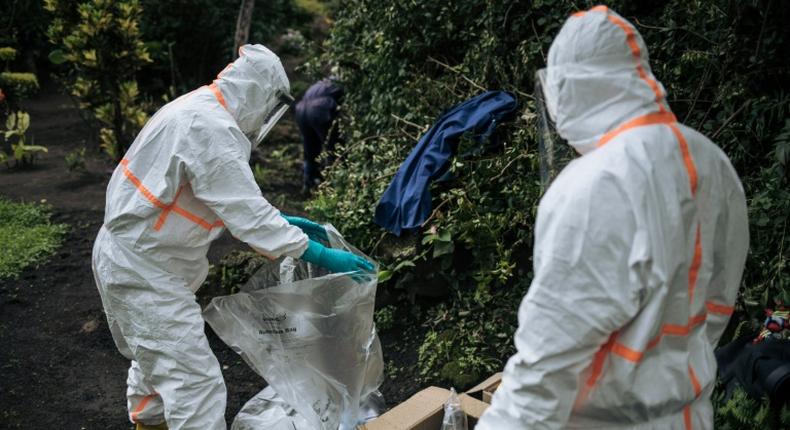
(311, 336)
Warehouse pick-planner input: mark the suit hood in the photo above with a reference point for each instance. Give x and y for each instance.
(252, 87)
(598, 77)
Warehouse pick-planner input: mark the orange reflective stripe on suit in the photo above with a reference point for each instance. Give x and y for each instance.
(215, 89)
(142, 405)
(166, 208)
(218, 94)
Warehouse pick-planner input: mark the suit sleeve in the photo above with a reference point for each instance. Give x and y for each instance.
(582, 292)
(219, 172)
(729, 256)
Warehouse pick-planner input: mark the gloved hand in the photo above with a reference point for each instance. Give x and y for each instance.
(312, 229)
(335, 260)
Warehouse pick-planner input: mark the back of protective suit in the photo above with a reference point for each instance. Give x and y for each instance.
(639, 250)
(187, 176)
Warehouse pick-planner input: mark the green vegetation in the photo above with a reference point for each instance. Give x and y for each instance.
(7, 54)
(316, 7)
(15, 86)
(75, 161)
(27, 237)
(477, 244)
(20, 85)
(112, 49)
(190, 41)
(100, 40)
(15, 134)
(742, 412)
(450, 290)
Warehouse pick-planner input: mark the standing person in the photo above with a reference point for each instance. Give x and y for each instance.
(184, 180)
(315, 113)
(640, 246)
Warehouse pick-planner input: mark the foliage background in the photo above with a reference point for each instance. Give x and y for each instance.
(191, 40)
(723, 63)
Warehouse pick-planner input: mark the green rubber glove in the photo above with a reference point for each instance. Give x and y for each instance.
(335, 260)
(312, 229)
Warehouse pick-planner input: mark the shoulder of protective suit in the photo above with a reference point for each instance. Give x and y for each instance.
(580, 184)
(204, 126)
(202, 113)
(712, 157)
(193, 109)
(606, 165)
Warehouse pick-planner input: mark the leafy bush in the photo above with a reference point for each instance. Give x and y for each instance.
(185, 58)
(23, 24)
(384, 317)
(477, 243)
(234, 270)
(316, 7)
(27, 237)
(742, 412)
(292, 42)
(75, 160)
(19, 85)
(100, 40)
(7, 54)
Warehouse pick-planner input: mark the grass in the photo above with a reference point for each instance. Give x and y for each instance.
(27, 237)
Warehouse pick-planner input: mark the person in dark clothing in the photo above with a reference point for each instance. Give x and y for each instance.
(315, 113)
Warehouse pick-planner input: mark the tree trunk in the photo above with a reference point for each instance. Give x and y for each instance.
(120, 138)
(243, 26)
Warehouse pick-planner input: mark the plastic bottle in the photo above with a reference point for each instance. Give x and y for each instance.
(454, 415)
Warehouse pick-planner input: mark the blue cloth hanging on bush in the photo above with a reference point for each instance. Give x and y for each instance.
(406, 203)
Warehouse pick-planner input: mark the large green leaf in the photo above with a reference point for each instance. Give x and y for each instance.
(57, 57)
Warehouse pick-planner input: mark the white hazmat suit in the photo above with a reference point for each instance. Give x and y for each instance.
(640, 245)
(183, 181)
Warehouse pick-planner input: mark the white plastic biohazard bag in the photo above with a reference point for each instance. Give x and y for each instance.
(311, 336)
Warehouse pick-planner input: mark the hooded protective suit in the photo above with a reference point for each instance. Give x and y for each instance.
(639, 249)
(186, 178)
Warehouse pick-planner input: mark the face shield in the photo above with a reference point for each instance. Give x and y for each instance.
(283, 102)
(554, 151)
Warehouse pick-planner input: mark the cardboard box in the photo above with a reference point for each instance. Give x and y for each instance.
(424, 411)
(485, 389)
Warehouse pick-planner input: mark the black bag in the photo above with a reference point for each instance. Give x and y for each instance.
(762, 369)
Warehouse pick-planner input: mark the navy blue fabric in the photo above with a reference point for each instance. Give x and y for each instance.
(406, 203)
(314, 115)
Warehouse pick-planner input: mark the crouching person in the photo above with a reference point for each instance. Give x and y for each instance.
(183, 181)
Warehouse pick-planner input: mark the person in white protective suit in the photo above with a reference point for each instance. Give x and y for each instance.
(183, 181)
(640, 244)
